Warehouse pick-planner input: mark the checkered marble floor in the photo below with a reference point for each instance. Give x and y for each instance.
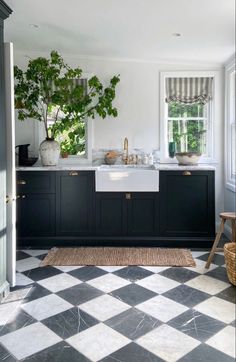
(123, 314)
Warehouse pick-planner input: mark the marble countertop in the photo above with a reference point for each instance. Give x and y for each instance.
(91, 167)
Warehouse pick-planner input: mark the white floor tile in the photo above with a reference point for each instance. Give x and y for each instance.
(207, 284)
(27, 264)
(157, 283)
(104, 307)
(168, 343)
(98, 342)
(196, 254)
(29, 340)
(217, 308)
(7, 309)
(111, 268)
(59, 282)
(67, 268)
(46, 306)
(35, 252)
(224, 341)
(155, 269)
(22, 279)
(162, 308)
(108, 282)
(200, 267)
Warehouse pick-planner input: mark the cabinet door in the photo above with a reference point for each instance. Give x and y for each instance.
(143, 213)
(110, 213)
(187, 203)
(75, 192)
(36, 215)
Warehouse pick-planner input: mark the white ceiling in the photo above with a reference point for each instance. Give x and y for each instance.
(135, 29)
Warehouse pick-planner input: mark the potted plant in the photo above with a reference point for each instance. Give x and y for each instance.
(47, 88)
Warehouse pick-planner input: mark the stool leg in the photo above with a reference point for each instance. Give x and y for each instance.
(216, 242)
(233, 231)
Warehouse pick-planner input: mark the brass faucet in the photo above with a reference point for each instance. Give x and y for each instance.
(125, 157)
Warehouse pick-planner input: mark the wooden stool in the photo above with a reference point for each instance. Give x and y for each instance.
(224, 217)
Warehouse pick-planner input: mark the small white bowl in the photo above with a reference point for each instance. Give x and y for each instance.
(188, 158)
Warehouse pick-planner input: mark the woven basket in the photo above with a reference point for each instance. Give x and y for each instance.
(230, 260)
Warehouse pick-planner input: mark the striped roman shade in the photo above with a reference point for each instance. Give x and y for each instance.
(189, 90)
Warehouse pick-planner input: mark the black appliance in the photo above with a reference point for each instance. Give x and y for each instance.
(23, 156)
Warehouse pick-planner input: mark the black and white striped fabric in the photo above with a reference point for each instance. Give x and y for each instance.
(189, 90)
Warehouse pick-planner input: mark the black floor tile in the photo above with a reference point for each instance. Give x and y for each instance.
(87, 273)
(60, 352)
(133, 294)
(36, 291)
(41, 273)
(228, 294)
(181, 275)
(21, 319)
(132, 353)
(70, 322)
(205, 353)
(219, 273)
(186, 295)
(133, 323)
(218, 259)
(79, 294)
(5, 355)
(196, 325)
(21, 255)
(133, 273)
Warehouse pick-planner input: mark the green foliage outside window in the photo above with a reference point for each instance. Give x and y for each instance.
(188, 134)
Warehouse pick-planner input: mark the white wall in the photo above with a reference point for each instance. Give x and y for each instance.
(138, 106)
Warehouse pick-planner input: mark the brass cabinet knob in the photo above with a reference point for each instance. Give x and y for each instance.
(187, 173)
(21, 182)
(73, 173)
(128, 196)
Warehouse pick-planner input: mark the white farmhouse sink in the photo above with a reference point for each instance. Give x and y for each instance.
(130, 178)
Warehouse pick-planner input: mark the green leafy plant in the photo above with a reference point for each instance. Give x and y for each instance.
(47, 89)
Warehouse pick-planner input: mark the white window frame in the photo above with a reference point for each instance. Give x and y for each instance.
(164, 155)
(230, 177)
(73, 159)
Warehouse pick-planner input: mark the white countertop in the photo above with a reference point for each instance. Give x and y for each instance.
(91, 167)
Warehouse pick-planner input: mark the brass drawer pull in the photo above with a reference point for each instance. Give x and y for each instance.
(187, 173)
(73, 173)
(21, 182)
(128, 196)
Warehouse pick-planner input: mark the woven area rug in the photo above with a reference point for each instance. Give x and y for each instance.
(119, 256)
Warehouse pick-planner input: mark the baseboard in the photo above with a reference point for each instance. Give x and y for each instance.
(4, 290)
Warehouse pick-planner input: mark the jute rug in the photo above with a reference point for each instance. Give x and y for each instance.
(119, 256)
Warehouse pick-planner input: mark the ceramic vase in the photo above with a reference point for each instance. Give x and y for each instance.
(49, 151)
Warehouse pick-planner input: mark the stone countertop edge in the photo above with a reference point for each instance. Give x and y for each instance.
(89, 167)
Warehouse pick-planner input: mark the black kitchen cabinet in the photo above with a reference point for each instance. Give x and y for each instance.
(75, 203)
(127, 214)
(36, 215)
(62, 208)
(187, 203)
(143, 214)
(110, 213)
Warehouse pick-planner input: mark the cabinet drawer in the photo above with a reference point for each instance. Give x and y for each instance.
(36, 182)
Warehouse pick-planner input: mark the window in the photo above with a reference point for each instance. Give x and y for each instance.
(188, 127)
(186, 114)
(230, 126)
(72, 139)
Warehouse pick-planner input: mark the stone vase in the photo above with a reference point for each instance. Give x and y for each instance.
(49, 151)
